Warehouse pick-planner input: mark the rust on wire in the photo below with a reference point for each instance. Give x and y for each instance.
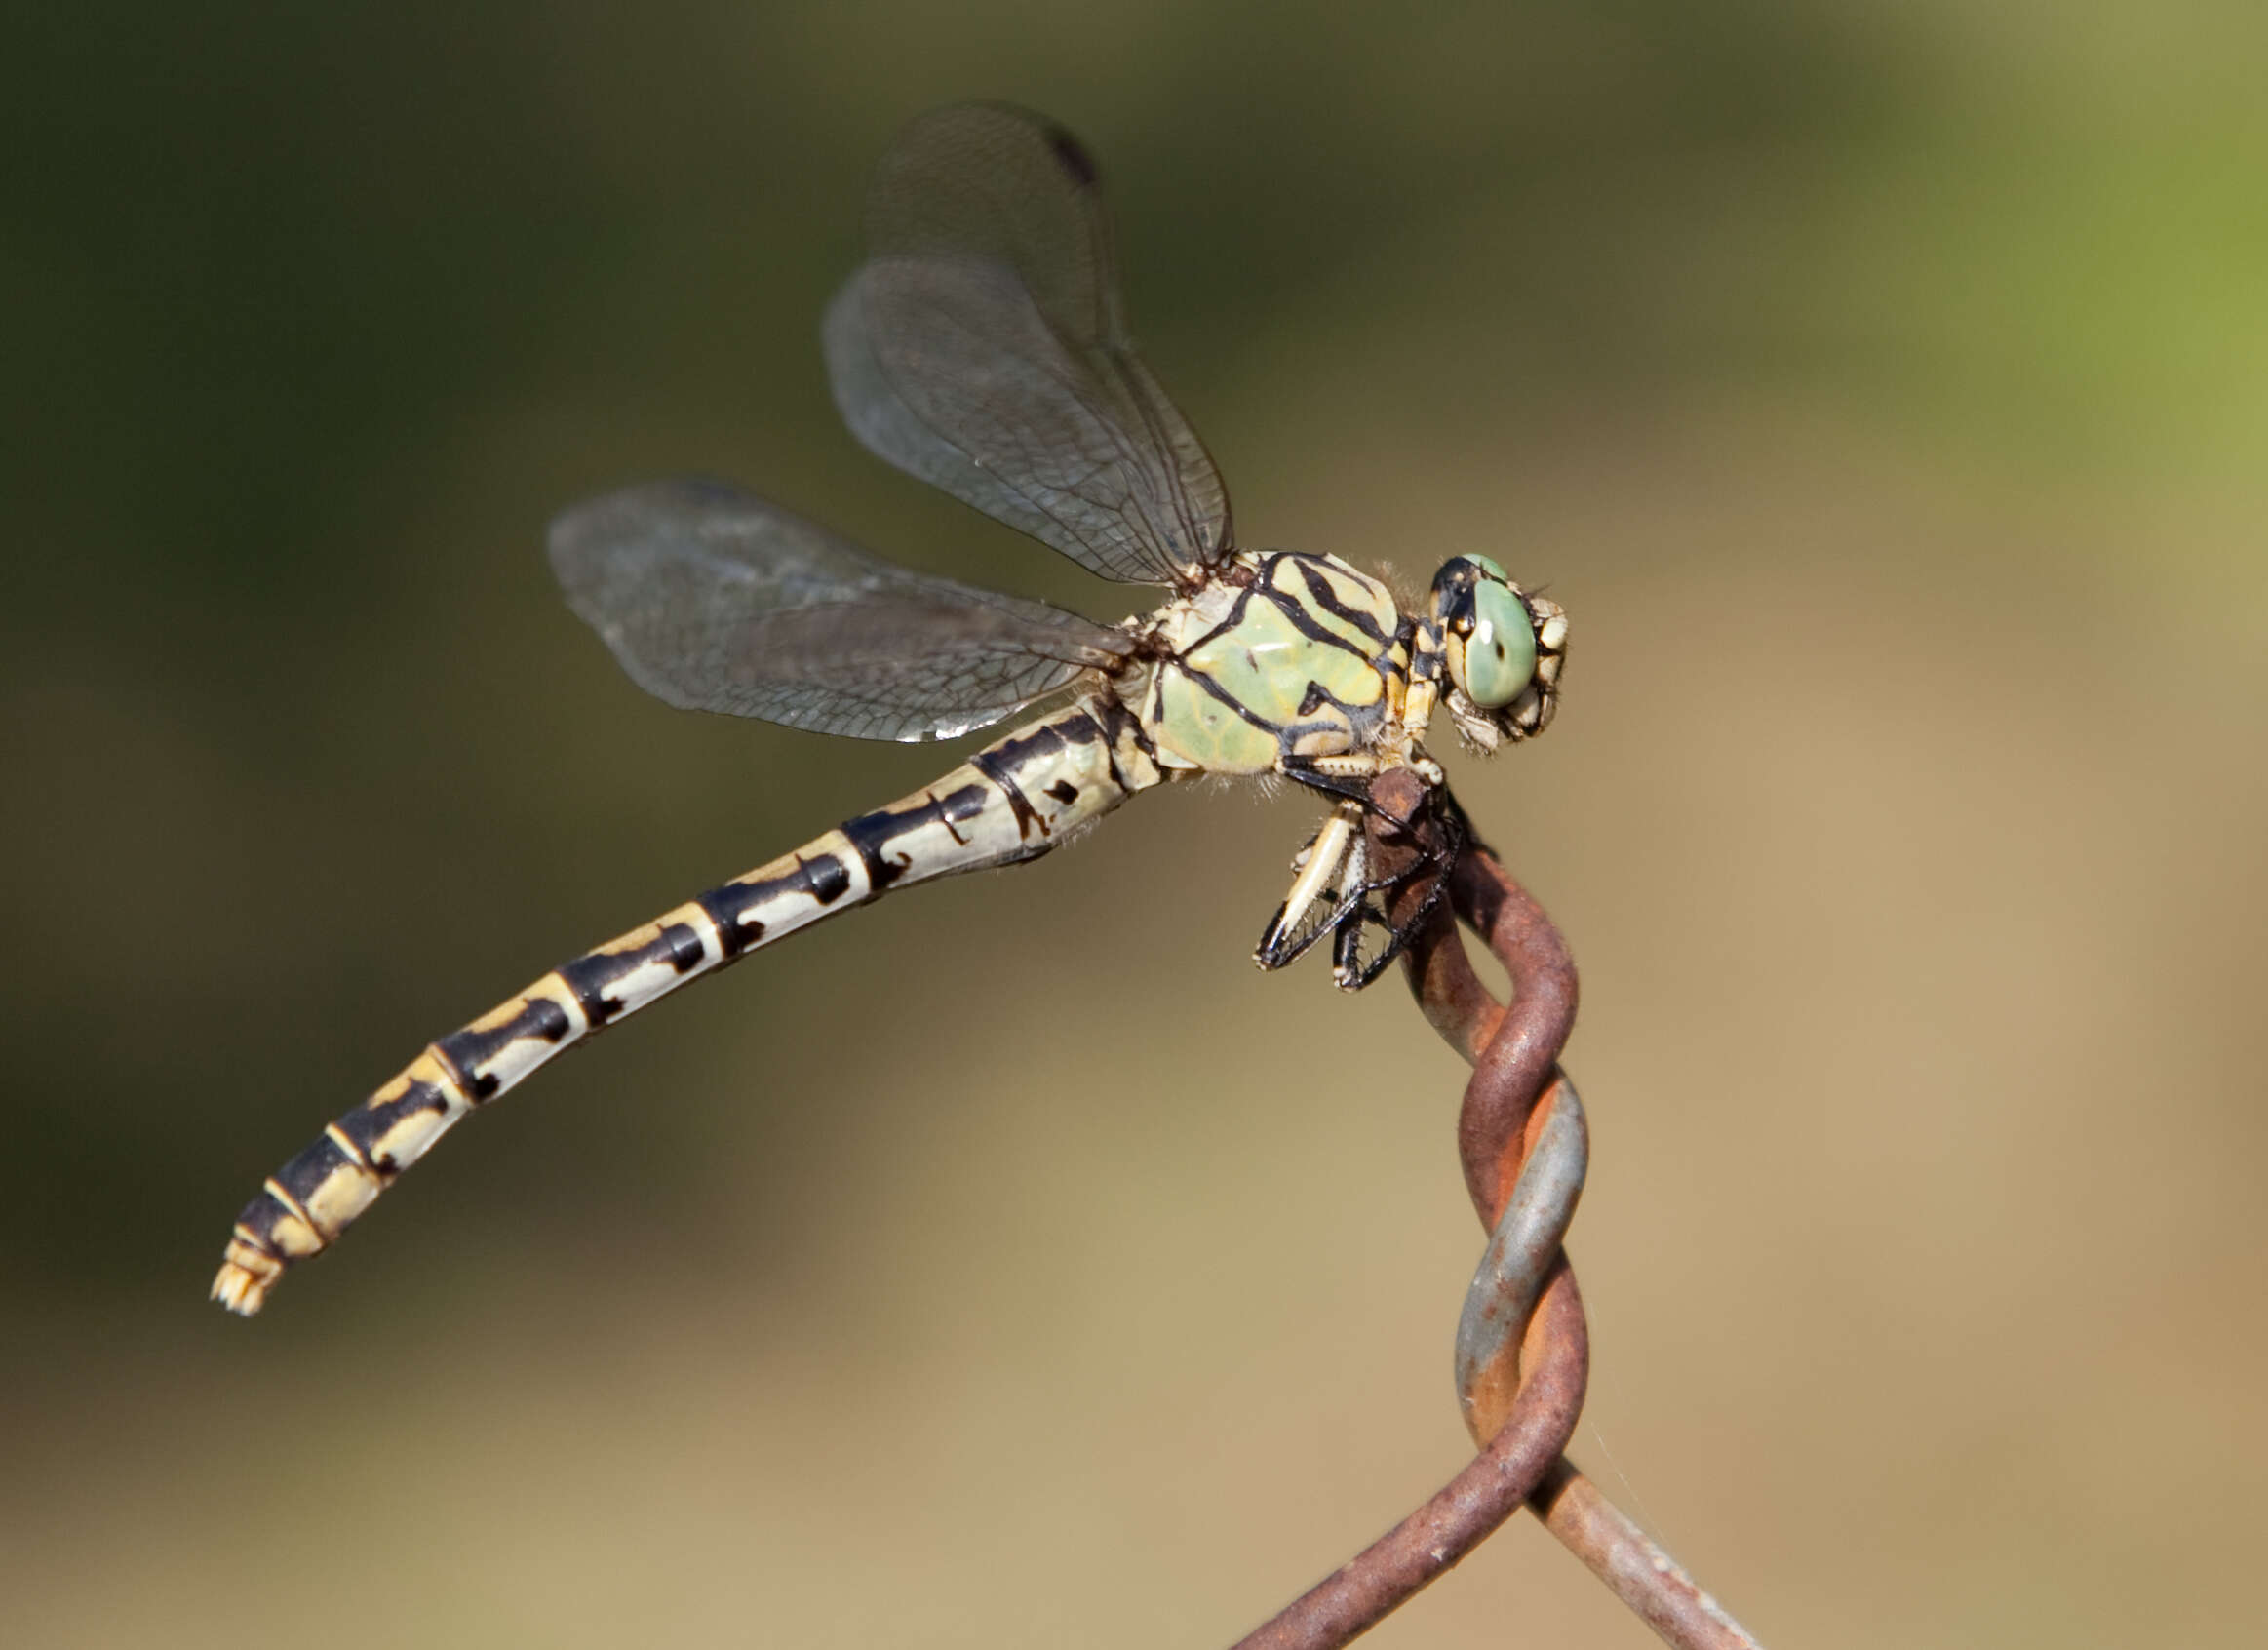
(1523, 1350)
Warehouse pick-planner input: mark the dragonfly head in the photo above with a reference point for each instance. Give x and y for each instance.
(1501, 650)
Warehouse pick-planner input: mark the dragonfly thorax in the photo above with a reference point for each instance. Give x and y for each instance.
(1285, 655)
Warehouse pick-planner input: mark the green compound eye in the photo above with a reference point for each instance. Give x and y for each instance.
(1500, 655)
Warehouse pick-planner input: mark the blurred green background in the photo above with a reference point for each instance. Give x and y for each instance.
(1883, 390)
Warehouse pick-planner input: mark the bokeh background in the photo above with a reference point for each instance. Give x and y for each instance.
(1883, 390)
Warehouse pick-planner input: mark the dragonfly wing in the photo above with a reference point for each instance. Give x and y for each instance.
(983, 347)
(714, 600)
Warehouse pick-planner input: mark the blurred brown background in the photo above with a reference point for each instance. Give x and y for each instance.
(1883, 390)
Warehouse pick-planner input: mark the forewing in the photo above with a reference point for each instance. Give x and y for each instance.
(714, 600)
(983, 347)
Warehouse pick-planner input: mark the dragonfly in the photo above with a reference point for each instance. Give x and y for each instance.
(981, 347)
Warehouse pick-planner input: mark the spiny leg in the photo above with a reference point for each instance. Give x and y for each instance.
(1349, 775)
(1349, 970)
(1359, 897)
(1331, 864)
(1317, 875)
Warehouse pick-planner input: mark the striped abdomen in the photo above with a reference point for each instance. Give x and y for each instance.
(1012, 801)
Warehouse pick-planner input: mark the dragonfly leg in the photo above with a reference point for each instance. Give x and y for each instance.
(1320, 871)
(1365, 899)
(1349, 777)
(1336, 867)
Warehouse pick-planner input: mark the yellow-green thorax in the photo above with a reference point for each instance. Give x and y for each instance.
(1284, 655)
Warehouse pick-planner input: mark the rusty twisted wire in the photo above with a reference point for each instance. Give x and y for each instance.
(1523, 1350)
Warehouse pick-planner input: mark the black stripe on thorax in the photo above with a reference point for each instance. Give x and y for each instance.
(1296, 614)
(1221, 695)
(1229, 622)
(1360, 721)
(1324, 597)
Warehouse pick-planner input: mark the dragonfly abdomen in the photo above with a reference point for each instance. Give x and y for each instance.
(1012, 801)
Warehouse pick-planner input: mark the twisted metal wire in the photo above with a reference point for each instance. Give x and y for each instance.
(1523, 1350)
